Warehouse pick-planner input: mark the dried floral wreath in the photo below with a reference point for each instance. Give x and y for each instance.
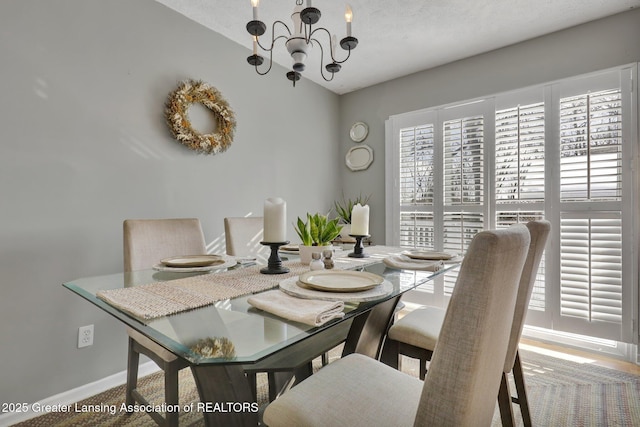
(188, 93)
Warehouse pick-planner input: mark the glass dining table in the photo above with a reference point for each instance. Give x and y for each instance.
(261, 342)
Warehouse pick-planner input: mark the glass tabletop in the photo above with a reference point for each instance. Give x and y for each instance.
(254, 334)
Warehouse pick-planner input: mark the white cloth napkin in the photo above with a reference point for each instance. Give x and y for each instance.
(307, 311)
(404, 262)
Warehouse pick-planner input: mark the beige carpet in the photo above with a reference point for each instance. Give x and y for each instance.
(561, 393)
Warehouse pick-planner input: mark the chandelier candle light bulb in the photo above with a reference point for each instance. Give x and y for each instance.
(254, 4)
(275, 220)
(334, 43)
(348, 16)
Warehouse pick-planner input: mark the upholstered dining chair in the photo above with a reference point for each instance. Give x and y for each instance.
(243, 235)
(465, 370)
(416, 334)
(146, 242)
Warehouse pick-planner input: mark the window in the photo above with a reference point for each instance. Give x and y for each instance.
(519, 154)
(442, 187)
(562, 151)
(520, 174)
(591, 146)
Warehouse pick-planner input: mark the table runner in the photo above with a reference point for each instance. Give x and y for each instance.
(161, 299)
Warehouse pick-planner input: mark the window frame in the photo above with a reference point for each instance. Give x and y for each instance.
(549, 93)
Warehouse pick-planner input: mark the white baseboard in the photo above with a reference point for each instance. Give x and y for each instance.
(617, 350)
(79, 393)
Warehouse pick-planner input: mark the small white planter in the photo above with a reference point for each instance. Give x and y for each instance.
(306, 251)
(344, 234)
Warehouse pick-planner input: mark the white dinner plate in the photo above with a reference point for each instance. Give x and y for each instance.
(340, 280)
(429, 255)
(193, 261)
(228, 261)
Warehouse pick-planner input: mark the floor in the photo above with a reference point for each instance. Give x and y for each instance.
(600, 360)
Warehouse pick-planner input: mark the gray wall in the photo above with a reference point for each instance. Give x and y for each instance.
(591, 47)
(84, 145)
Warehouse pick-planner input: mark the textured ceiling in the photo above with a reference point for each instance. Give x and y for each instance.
(400, 37)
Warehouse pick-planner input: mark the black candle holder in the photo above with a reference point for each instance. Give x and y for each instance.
(358, 248)
(274, 264)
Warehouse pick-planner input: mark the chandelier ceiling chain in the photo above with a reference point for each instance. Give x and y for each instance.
(301, 37)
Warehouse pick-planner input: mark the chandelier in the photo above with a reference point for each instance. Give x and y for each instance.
(299, 39)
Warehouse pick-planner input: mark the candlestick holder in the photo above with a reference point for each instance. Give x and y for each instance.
(358, 248)
(274, 263)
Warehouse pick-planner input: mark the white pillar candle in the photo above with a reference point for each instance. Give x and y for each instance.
(275, 220)
(360, 220)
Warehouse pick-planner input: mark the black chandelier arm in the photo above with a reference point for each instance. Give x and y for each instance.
(322, 29)
(268, 69)
(345, 59)
(322, 60)
(273, 36)
(273, 42)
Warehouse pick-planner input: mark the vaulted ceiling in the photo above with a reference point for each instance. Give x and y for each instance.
(400, 37)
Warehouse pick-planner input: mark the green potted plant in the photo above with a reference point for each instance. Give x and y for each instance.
(316, 234)
(344, 208)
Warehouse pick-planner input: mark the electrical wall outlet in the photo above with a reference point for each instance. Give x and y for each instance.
(85, 336)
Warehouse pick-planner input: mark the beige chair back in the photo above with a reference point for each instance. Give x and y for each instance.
(539, 232)
(243, 235)
(463, 379)
(147, 241)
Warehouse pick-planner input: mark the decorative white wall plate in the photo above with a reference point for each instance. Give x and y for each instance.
(359, 132)
(359, 158)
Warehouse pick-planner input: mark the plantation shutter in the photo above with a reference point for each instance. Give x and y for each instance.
(416, 165)
(564, 151)
(519, 154)
(464, 186)
(591, 248)
(505, 219)
(591, 236)
(520, 175)
(417, 186)
(417, 230)
(464, 161)
(591, 147)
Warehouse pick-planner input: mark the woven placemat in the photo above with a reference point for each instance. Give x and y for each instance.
(161, 299)
(165, 298)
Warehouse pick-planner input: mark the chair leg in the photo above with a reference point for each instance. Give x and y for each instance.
(132, 373)
(325, 359)
(391, 353)
(504, 402)
(253, 383)
(423, 368)
(521, 390)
